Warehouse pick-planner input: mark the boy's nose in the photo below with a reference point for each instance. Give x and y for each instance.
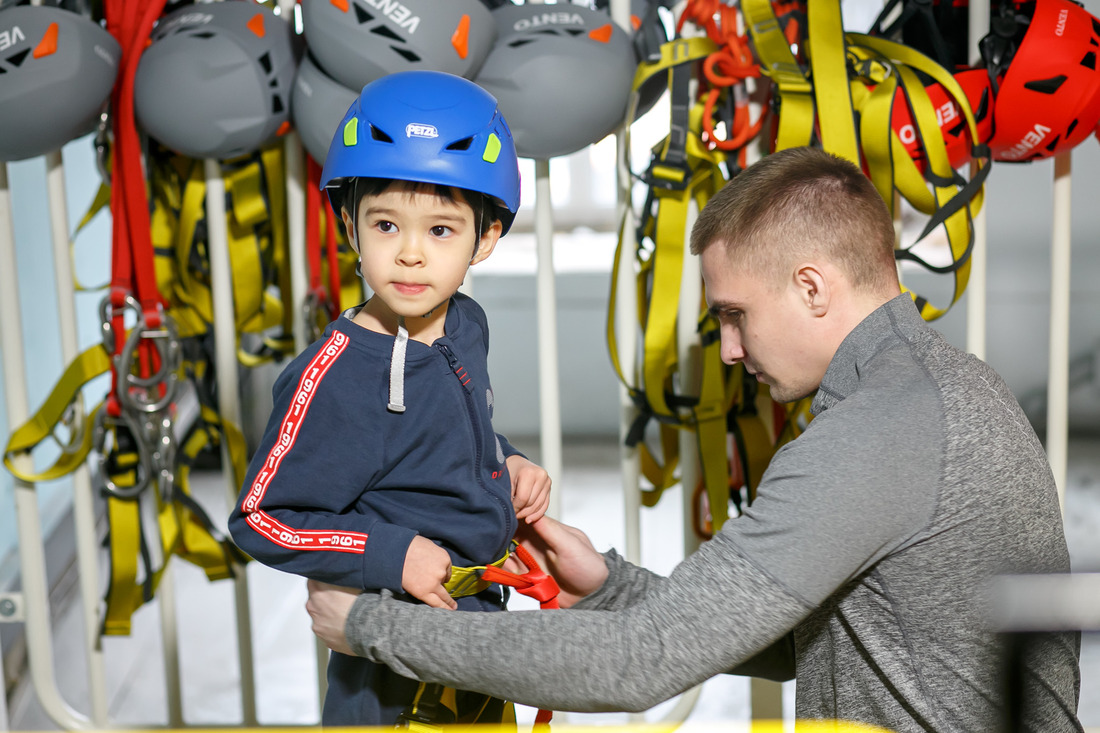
(410, 253)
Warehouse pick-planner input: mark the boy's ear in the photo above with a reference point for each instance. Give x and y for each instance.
(487, 242)
(349, 228)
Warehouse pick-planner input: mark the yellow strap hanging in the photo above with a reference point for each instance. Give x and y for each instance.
(90, 364)
(796, 93)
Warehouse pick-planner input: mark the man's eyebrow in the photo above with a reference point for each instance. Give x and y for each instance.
(718, 309)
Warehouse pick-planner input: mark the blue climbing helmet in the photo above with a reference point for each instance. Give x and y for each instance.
(427, 127)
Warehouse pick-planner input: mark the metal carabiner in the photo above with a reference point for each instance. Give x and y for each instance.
(134, 391)
(144, 467)
(163, 455)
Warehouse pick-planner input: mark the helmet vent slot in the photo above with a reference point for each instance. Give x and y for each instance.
(519, 42)
(1096, 26)
(265, 61)
(463, 144)
(385, 32)
(1089, 61)
(362, 15)
(201, 34)
(17, 58)
(276, 104)
(406, 53)
(1046, 86)
(1054, 143)
(575, 31)
(376, 134)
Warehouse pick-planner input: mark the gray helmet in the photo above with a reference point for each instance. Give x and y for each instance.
(317, 106)
(56, 73)
(215, 82)
(562, 75)
(358, 41)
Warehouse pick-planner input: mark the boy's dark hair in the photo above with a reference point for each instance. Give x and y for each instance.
(484, 208)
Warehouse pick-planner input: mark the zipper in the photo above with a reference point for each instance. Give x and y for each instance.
(467, 383)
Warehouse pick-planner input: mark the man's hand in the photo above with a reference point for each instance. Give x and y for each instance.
(567, 554)
(329, 606)
(530, 488)
(427, 568)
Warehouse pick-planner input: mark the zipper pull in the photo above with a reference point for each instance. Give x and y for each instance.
(456, 366)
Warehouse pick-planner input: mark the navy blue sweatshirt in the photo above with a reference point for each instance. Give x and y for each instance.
(339, 485)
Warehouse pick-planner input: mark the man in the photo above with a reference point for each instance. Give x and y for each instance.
(861, 568)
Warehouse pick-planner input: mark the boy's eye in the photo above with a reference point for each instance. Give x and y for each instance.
(386, 226)
(440, 231)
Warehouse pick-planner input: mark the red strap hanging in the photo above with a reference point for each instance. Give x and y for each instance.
(133, 273)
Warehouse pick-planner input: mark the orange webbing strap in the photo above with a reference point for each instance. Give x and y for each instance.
(535, 583)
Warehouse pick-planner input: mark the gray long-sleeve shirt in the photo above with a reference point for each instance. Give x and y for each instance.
(862, 566)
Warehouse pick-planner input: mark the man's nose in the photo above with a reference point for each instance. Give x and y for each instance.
(732, 351)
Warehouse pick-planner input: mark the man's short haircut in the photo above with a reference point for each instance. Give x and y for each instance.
(798, 203)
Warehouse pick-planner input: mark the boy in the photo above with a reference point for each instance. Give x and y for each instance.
(379, 467)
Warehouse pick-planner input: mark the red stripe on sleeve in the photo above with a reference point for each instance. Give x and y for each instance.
(261, 521)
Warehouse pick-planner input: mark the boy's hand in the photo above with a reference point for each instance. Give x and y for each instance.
(427, 568)
(530, 488)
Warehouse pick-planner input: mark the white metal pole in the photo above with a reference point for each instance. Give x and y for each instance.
(229, 407)
(626, 305)
(296, 236)
(1057, 433)
(299, 281)
(976, 297)
(32, 560)
(83, 497)
(170, 646)
(549, 394)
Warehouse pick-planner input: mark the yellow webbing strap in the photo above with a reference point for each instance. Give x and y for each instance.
(796, 93)
(24, 439)
(683, 173)
(434, 705)
(257, 242)
(466, 581)
(182, 528)
(939, 192)
(711, 424)
(828, 63)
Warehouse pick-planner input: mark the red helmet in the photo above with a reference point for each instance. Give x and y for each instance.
(1048, 99)
(976, 85)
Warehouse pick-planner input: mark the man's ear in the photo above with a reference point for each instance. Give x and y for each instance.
(349, 228)
(488, 242)
(812, 286)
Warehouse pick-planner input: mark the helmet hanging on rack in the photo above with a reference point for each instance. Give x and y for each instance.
(1043, 57)
(562, 74)
(979, 93)
(430, 127)
(215, 80)
(317, 104)
(56, 73)
(358, 41)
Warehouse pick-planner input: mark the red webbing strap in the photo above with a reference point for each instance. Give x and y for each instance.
(535, 583)
(315, 209)
(333, 253)
(133, 272)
